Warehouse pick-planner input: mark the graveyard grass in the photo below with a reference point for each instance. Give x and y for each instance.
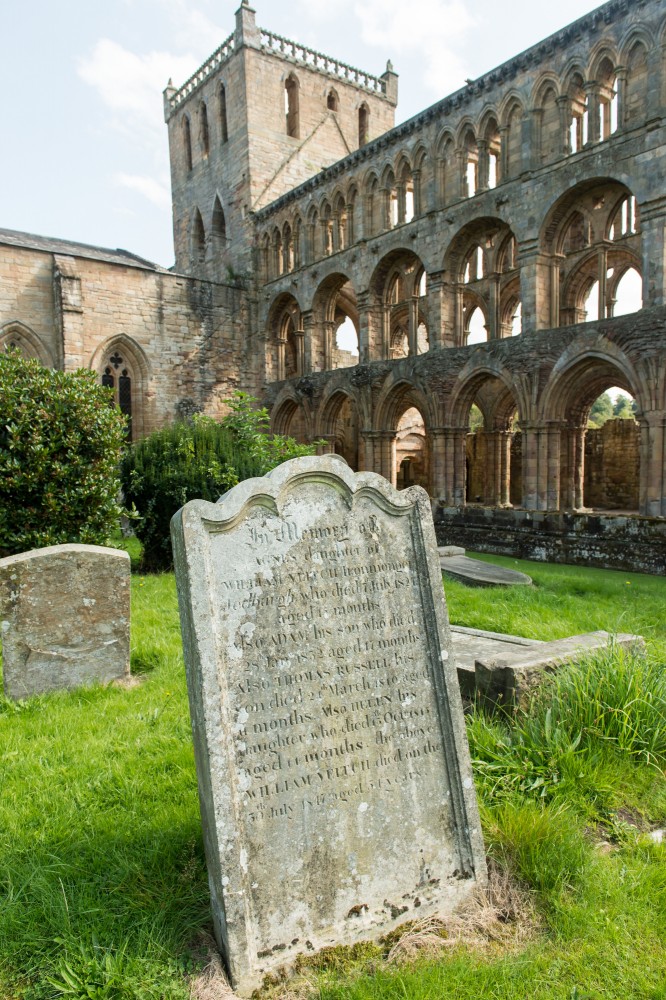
(103, 889)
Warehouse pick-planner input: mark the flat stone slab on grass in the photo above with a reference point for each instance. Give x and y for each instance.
(64, 618)
(482, 574)
(334, 776)
(472, 644)
(510, 676)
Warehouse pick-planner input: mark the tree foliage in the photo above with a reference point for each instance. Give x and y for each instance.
(200, 459)
(60, 444)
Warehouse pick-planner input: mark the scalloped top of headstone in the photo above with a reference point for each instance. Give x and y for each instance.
(334, 775)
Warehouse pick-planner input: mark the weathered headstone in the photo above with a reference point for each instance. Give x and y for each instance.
(64, 618)
(334, 774)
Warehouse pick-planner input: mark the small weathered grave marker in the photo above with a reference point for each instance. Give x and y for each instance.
(334, 775)
(65, 618)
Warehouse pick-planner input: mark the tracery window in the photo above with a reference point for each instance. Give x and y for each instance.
(117, 376)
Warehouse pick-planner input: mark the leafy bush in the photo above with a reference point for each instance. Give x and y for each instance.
(197, 460)
(60, 444)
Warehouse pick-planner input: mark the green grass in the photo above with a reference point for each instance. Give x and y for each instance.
(103, 889)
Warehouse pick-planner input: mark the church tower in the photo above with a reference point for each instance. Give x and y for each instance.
(259, 117)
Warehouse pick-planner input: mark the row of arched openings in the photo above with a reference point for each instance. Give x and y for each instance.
(592, 238)
(588, 107)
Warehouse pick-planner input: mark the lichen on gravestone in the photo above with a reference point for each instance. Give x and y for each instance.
(334, 775)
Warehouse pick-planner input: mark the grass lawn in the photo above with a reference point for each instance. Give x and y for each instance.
(103, 889)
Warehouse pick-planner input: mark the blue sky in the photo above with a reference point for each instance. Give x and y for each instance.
(85, 153)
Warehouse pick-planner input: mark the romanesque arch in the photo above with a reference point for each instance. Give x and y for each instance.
(487, 460)
(484, 283)
(285, 358)
(401, 437)
(592, 237)
(581, 375)
(291, 415)
(398, 289)
(335, 323)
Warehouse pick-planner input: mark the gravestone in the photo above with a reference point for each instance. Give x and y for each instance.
(64, 618)
(334, 775)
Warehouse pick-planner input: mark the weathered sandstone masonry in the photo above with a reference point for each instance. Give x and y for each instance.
(504, 249)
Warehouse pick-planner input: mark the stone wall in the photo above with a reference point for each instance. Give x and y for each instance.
(632, 544)
(612, 466)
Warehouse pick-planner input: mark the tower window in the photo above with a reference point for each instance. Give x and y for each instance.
(332, 101)
(205, 135)
(291, 107)
(224, 131)
(187, 142)
(363, 124)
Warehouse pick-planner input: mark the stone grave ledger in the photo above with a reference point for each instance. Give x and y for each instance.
(64, 618)
(334, 775)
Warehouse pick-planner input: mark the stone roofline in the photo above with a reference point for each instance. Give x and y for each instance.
(68, 248)
(248, 34)
(504, 73)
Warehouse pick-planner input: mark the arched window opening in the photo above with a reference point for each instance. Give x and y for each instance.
(411, 453)
(493, 148)
(476, 329)
(611, 464)
(628, 293)
(291, 107)
(346, 339)
(446, 191)
(117, 377)
(422, 339)
(187, 143)
(551, 142)
(470, 179)
(219, 222)
(363, 124)
(198, 239)
(327, 230)
(637, 86)
(579, 115)
(278, 260)
(222, 104)
(608, 100)
(517, 321)
(514, 141)
(311, 235)
(287, 249)
(591, 306)
(204, 134)
(297, 237)
(332, 101)
(625, 220)
(340, 225)
(474, 266)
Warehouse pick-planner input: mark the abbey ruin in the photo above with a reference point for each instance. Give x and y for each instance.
(381, 288)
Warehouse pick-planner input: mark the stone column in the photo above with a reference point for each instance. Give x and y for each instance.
(653, 245)
(484, 165)
(603, 283)
(300, 349)
(438, 470)
(419, 207)
(504, 153)
(311, 360)
(458, 317)
(553, 467)
(402, 203)
(621, 82)
(530, 466)
(458, 460)
(578, 467)
(436, 307)
(564, 106)
(504, 463)
(652, 495)
(494, 325)
(535, 279)
(593, 122)
(329, 343)
(412, 332)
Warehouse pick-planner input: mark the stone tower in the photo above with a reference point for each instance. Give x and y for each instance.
(262, 115)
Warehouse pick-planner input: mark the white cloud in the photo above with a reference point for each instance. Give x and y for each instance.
(131, 85)
(157, 192)
(431, 28)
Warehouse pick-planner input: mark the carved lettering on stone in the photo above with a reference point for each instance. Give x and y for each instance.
(334, 775)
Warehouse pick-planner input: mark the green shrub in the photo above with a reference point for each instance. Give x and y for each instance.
(197, 460)
(60, 443)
